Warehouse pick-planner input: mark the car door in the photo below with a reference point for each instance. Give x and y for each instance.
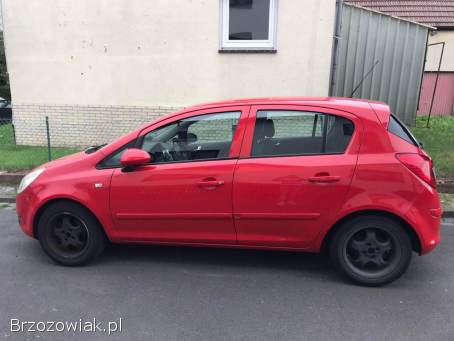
(185, 194)
(295, 169)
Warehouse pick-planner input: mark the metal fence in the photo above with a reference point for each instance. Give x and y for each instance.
(381, 58)
(7, 134)
(16, 157)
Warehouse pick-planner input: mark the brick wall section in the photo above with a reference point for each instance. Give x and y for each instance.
(79, 126)
(82, 126)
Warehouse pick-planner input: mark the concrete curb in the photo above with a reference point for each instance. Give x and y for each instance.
(11, 178)
(8, 200)
(15, 178)
(446, 214)
(445, 188)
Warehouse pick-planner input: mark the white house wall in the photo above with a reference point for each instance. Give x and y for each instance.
(149, 54)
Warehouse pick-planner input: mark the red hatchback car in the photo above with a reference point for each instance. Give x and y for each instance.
(299, 174)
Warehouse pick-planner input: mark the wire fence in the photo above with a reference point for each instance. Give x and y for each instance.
(7, 134)
(31, 138)
(16, 156)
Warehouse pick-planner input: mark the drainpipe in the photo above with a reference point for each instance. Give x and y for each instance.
(335, 48)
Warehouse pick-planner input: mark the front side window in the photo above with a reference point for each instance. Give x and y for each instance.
(203, 137)
(248, 24)
(286, 132)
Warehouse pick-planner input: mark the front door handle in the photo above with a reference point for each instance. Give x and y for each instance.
(211, 183)
(324, 178)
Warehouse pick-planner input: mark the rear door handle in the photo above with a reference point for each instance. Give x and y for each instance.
(211, 183)
(324, 178)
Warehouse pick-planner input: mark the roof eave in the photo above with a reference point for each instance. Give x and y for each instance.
(432, 28)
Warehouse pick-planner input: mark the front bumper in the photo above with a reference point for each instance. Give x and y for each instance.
(25, 208)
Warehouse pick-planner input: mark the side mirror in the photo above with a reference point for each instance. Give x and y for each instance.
(134, 157)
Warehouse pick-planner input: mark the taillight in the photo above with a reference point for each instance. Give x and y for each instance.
(421, 165)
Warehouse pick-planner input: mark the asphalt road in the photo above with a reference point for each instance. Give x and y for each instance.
(170, 293)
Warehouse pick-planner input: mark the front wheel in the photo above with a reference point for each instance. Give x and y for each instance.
(70, 234)
(371, 250)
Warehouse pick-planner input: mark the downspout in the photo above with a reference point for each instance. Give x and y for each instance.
(335, 48)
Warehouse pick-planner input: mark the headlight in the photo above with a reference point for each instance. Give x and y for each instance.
(29, 178)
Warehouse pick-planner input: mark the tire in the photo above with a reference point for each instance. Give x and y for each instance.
(70, 235)
(365, 261)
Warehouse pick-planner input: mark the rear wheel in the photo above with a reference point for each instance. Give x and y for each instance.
(70, 234)
(371, 250)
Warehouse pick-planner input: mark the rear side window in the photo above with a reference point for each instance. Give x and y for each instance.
(286, 132)
(399, 129)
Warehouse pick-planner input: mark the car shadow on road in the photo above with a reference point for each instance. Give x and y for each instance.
(221, 258)
(220, 262)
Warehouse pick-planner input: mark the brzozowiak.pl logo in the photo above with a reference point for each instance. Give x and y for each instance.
(79, 326)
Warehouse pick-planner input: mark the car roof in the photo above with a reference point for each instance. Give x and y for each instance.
(341, 103)
(353, 105)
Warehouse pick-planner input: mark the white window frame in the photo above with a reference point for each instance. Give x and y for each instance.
(226, 44)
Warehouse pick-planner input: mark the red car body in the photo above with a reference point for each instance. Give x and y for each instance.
(286, 202)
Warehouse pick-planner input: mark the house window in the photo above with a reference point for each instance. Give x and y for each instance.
(248, 24)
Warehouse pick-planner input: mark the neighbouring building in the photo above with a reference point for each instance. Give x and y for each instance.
(99, 68)
(439, 14)
(381, 57)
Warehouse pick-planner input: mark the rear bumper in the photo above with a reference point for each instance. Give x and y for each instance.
(425, 217)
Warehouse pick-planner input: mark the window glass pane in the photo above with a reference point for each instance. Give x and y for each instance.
(113, 160)
(213, 128)
(398, 128)
(338, 134)
(249, 19)
(300, 133)
(201, 137)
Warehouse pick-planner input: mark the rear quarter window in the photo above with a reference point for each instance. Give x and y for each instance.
(396, 127)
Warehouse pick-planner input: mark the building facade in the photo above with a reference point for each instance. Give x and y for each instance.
(437, 90)
(98, 69)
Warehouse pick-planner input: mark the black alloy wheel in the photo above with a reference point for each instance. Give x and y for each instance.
(371, 250)
(70, 234)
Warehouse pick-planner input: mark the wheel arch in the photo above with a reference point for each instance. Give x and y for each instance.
(414, 238)
(41, 210)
